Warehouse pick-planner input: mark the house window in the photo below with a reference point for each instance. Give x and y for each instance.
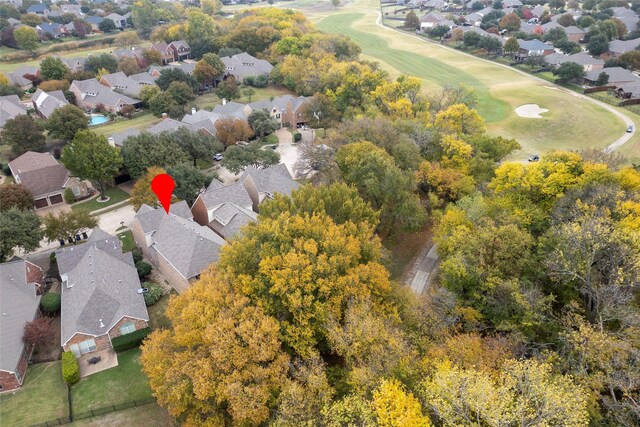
(127, 328)
(84, 347)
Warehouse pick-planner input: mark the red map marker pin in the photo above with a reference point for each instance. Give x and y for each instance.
(163, 186)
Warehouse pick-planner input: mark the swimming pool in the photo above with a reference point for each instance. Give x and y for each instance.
(98, 119)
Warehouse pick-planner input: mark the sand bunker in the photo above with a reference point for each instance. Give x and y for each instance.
(530, 111)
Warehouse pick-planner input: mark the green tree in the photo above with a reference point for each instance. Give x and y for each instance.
(335, 3)
(169, 75)
(105, 61)
(66, 121)
(320, 111)
(215, 62)
(180, 92)
(19, 230)
(142, 193)
(52, 68)
(107, 26)
(196, 144)
(147, 93)
(237, 158)
(27, 38)
(631, 59)
(147, 150)
(568, 71)
(603, 79)
(248, 92)
(383, 184)
(160, 103)
(598, 45)
(144, 15)
(67, 225)
(15, 196)
(262, 123)
(89, 156)
(23, 134)
(511, 46)
(411, 20)
(228, 89)
(189, 180)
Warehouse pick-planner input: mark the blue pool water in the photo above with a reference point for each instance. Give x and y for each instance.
(98, 119)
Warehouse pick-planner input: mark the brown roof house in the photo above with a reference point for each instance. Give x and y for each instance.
(20, 284)
(227, 208)
(286, 109)
(166, 53)
(46, 179)
(10, 107)
(101, 297)
(181, 50)
(178, 246)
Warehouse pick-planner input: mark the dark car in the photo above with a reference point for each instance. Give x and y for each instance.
(630, 129)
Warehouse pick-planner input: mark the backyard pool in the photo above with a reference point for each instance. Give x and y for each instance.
(98, 119)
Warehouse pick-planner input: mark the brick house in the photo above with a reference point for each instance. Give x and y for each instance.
(166, 53)
(100, 299)
(181, 50)
(20, 285)
(179, 247)
(90, 94)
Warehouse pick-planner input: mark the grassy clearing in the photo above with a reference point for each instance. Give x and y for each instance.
(569, 124)
(115, 195)
(126, 237)
(142, 122)
(151, 415)
(124, 383)
(43, 397)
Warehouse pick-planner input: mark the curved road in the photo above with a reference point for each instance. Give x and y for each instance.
(611, 147)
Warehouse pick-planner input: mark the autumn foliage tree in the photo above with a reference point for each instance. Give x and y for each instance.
(15, 196)
(141, 193)
(39, 331)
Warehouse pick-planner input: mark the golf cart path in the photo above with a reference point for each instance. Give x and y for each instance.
(610, 148)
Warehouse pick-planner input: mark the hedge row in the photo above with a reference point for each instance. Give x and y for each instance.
(70, 368)
(127, 341)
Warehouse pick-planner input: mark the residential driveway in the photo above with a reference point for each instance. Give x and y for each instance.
(55, 209)
(110, 221)
(288, 151)
(226, 176)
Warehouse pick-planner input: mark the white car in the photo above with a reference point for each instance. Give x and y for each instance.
(217, 157)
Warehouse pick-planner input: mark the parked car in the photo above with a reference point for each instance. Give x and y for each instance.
(217, 157)
(534, 158)
(629, 129)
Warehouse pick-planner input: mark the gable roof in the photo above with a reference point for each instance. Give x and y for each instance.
(50, 28)
(94, 92)
(47, 102)
(18, 305)
(10, 107)
(243, 65)
(229, 218)
(616, 75)
(533, 45)
(18, 78)
(271, 180)
(35, 8)
(149, 218)
(100, 286)
(119, 81)
(581, 58)
(218, 194)
(180, 44)
(119, 138)
(622, 46)
(39, 172)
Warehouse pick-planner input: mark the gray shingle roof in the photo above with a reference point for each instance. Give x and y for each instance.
(229, 218)
(123, 84)
(101, 286)
(234, 193)
(39, 172)
(533, 45)
(144, 78)
(119, 138)
(18, 305)
(166, 125)
(94, 92)
(47, 102)
(243, 65)
(274, 179)
(622, 46)
(149, 218)
(10, 107)
(617, 75)
(186, 245)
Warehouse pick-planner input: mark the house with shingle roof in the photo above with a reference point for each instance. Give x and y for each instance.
(181, 50)
(100, 294)
(39, 9)
(434, 19)
(23, 76)
(244, 65)
(617, 76)
(178, 246)
(117, 139)
(120, 21)
(618, 47)
(534, 48)
(51, 30)
(166, 53)
(46, 179)
(144, 78)
(588, 62)
(227, 208)
(121, 83)
(285, 109)
(90, 94)
(628, 17)
(20, 285)
(94, 21)
(10, 107)
(46, 102)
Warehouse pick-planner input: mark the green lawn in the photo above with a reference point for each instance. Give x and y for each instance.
(124, 383)
(568, 125)
(115, 195)
(43, 397)
(126, 237)
(210, 100)
(150, 415)
(142, 122)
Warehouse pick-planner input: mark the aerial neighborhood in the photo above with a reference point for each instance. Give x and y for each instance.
(322, 213)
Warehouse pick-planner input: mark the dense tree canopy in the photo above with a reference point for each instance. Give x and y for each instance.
(23, 134)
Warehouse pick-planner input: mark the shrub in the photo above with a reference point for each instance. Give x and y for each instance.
(154, 294)
(6, 170)
(70, 368)
(144, 269)
(69, 198)
(50, 302)
(297, 137)
(52, 258)
(137, 255)
(125, 342)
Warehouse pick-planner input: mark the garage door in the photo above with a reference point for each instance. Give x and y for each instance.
(41, 203)
(56, 199)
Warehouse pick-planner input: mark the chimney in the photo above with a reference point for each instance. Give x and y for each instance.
(224, 101)
(193, 110)
(164, 116)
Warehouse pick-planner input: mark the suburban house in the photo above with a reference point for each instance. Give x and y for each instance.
(575, 34)
(10, 107)
(226, 208)
(120, 21)
(286, 109)
(130, 53)
(46, 179)
(121, 83)
(94, 21)
(166, 53)
(628, 17)
(171, 125)
(434, 19)
(628, 90)
(511, 4)
(51, 30)
(39, 9)
(181, 50)
(617, 76)
(243, 65)
(100, 294)
(618, 47)
(74, 64)
(144, 78)
(178, 246)
(117, 139)
(90, 94)
(20, 284)
(23, 76)
(46, 102)
(534, 48)
(588, 62)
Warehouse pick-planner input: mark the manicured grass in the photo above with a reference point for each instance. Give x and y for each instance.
(150, 415)
(43, 397)
(157, 316)
(568, 125)
(115, 195)
(203, 164)
(126, 237)
(142, 122)
(124, 383)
